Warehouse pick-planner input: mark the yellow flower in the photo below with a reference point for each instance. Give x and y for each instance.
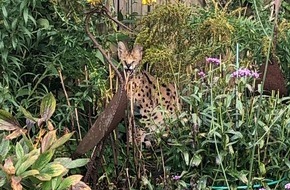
(94, 2)
(148, 2)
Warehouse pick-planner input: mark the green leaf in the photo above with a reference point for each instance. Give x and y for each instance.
(4, 148)
(7, 121)
(4, 12)
(26, 164)
(70, 164)
(43, 23)
(25, 15)
(19, 151)
(196, 160)
(53, 169)
(43, 177)
(27, 114)
(100, 56)
(61, 141)
(186, 158)
(69, 181)
(29, 173)
(47, 106)
(26, 157)
(262, 168)
(43, 159)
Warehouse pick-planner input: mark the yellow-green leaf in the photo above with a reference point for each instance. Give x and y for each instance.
(61, 140)
(26, 164)
(47, 106)
(43, 159)
(29, 173)
(19, 151)
(53, 169)
(43, 177)
(69, 181)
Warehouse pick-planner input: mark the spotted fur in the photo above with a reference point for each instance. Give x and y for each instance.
(151, 100)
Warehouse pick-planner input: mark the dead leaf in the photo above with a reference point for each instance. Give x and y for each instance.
(9, 167)
(80, 186)
(16, 134)
(15, 183)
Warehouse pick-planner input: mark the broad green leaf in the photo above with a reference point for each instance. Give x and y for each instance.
(53, 169)
(53, 183)
(4, 148)
(7, 121)
(2, 181)
(48, 140)
(29, 173)
(34, 152)
(19, 151)
(61, 140)
(26, 164)
(4, 12)
(69, 181)
(42, 160)
(70, 164)
(47, 106)
(43, 177)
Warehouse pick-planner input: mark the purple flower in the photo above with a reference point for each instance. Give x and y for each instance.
(201, 74)
(244, 72)
(287, 186)
(262, 188)
(213, 60)
(176, 177)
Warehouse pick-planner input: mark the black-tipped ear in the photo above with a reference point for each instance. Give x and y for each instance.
(122, 50)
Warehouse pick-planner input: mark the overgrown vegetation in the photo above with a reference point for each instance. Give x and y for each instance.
(222, 137)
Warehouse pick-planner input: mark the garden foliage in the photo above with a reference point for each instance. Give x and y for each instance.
(222, 136)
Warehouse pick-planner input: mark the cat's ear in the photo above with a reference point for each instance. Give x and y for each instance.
(137, 52)
(122, 51)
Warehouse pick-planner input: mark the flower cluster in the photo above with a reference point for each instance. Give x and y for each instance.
(176, 177)
(201, 74)
(287, 186)
(148, 2)
(213, 60)
(244, 72)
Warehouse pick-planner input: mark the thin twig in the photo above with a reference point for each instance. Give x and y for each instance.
(98, 46)
(66, 96)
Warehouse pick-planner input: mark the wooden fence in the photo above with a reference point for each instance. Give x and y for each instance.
(127, 7)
